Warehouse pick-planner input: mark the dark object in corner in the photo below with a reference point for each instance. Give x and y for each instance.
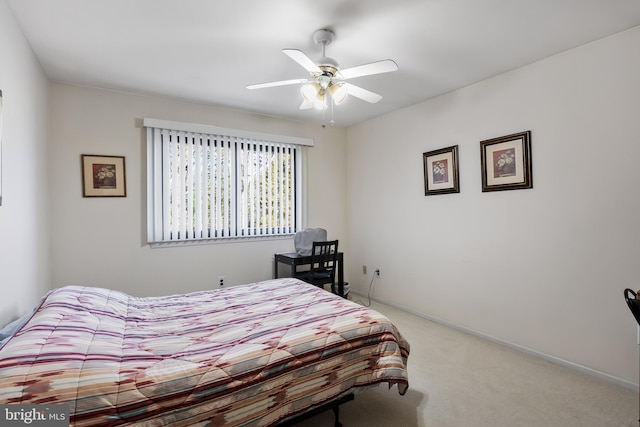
(634, 306)
(633, 303)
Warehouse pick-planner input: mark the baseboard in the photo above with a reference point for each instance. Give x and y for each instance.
(549, 358)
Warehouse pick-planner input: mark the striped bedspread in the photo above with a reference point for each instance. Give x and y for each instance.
(250, 355)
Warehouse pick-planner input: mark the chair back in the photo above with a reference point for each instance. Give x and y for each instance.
(324, 257)
(324, 260)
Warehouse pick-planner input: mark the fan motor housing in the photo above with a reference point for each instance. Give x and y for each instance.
(328, 69)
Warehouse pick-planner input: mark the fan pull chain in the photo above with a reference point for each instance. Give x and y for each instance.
(332, 122)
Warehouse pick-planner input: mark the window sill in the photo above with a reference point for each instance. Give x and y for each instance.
(218, 241)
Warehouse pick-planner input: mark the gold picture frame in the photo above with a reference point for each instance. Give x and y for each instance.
(103, 176)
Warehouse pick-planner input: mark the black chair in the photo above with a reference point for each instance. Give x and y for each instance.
(324, 259)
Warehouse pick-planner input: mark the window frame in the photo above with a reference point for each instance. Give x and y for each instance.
(155, 179)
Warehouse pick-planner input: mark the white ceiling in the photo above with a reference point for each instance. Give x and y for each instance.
(207, 51)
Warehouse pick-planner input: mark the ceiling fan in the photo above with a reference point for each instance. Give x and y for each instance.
(327, 79)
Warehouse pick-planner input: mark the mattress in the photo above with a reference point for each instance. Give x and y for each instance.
(249, 355)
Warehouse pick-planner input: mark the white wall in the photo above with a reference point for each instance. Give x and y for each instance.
(543, 268)
(25, 264)
(102, 241)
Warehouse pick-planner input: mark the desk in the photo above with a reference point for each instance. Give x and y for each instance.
(294, 260)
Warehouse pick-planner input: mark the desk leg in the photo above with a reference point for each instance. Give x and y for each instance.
(341, 278)
(275, 268)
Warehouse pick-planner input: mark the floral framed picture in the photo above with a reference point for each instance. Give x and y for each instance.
(0, 147)
(506, 162)
(103, 176)
(441, 171)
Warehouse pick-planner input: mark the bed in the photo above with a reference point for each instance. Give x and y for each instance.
(260, 354)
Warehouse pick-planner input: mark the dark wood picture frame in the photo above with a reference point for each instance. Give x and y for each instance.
(103, 176)
(506, 162)
(441, 173)
(0, 147)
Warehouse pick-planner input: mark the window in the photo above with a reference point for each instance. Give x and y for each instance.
(209, 183)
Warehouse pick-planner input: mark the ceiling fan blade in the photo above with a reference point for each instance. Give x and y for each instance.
(305, 105)
(379, 67)
(280, 83)
(301, 58)
(363, 94)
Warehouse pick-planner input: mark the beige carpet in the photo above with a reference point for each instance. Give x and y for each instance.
(459, 380)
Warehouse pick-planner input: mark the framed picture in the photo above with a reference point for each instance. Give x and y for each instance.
(506, 162)
(441, 171)
(0, 147)
(103, 176)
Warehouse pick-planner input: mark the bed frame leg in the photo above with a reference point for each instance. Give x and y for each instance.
(335, 406)
(336, 414)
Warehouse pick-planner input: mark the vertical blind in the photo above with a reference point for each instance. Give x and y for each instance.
(215, 186)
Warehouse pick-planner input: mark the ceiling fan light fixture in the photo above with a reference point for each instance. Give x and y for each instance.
(310, 91)
(320, 101)
(314, 94)
(338, 93)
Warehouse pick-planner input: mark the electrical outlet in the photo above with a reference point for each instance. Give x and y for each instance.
(377, 272)
(220, 281)
(364, 269)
